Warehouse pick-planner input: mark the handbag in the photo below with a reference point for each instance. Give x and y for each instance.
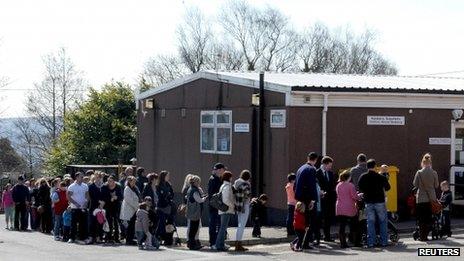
(182, 209)
(435, 205)
(217, 203)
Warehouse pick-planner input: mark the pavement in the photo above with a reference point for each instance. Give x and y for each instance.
(35, 246)
(275, 235)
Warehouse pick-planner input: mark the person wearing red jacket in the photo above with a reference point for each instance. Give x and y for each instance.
(299, 225)
(60, 204)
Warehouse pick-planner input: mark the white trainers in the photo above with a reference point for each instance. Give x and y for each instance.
(71, 241)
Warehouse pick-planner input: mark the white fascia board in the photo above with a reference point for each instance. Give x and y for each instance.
(379, 100)
(215, 77)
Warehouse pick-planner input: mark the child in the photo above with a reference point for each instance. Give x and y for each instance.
(8, 206)
(445, 200)
(100, 215)
(142, 224)
(290, 203)
(66, 224)
(299, 225)
(258, 214)
(153, 221)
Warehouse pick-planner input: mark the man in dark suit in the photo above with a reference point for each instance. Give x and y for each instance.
(326, 179)
(306, 192)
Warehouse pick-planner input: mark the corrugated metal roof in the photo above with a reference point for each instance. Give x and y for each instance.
(426, 84)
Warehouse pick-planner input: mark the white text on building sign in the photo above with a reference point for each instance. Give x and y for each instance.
(241, 127)
(385, 120)
(439, 141)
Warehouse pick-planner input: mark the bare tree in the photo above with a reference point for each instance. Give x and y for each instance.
(247, 26)
(27, 144)
(59, 91)
(194, 39)
(161, 69)
(224, 56)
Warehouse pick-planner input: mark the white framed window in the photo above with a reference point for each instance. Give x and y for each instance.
(278, 118)
(216, 132)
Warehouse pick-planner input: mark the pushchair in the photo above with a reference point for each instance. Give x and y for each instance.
(436, 228)
(392, 230)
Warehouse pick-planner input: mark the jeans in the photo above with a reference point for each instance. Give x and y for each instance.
(446, 222)
(130, 232)
(376, 211)
(289, 220)
(20, 217)
(221, 237)
(78, 217)
(113, 223)
(141, 236)
(242, 221)
(9, 216)
(194, 228)
(58, 224)
(214, 223)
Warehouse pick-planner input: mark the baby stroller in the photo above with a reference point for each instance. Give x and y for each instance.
(392, 230)
(436, 228)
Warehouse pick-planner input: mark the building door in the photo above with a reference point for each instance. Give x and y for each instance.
(457, 162)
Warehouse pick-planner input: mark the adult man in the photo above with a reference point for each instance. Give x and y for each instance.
(78, 195)
(373, 187)
(214, 184)
(20, 194)
(358, 170)
(327, 183)
(306, 192)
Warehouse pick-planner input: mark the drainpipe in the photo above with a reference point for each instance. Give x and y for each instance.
(324, 123)
(261, 126)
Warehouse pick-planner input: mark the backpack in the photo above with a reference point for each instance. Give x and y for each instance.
(217, 203)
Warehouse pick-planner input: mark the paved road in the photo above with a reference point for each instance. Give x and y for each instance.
(32, 246)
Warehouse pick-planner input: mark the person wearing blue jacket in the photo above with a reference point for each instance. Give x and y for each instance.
(306, 192)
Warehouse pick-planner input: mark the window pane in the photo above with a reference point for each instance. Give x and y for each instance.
(223, 118)
(207, 138)
(223, 139)
(207, 118)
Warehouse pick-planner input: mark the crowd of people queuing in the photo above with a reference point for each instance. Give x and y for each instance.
(139, 209)
(315, 197)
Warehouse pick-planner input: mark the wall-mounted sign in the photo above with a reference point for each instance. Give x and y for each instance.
(278, 118)
(241, 127)
(439, 141)
(385, 120)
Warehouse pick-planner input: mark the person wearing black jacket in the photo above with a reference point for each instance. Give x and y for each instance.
(95, 196)
(446, 199)
(165, 210)
(141, 178)
(306, 191)
(21, 198)
(44, 204)
(149, 190)
(112, 195)
(214, 184)
(373, 186)
(327, 183)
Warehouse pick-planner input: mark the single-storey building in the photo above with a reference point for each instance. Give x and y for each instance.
(187, 125)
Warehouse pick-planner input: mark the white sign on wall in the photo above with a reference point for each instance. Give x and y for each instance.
(385, 120)
(241, 127)
(440, 141)
(278, 118)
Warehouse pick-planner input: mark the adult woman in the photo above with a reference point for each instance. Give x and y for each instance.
(149, 189)
(184, 190)
(345, 208)
(129, 207)
(228, 199)
(95, 196)
(194, 209)
(44, 204)
(242, 187)
(8, 206)
(425, 180)
(112, 196)
(165, 208)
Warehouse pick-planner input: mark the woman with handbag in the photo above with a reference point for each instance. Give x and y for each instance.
(426, 181)
(193, 213)
(165, 207)
(129, 207)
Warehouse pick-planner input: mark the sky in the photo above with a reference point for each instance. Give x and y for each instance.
(111, 40)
